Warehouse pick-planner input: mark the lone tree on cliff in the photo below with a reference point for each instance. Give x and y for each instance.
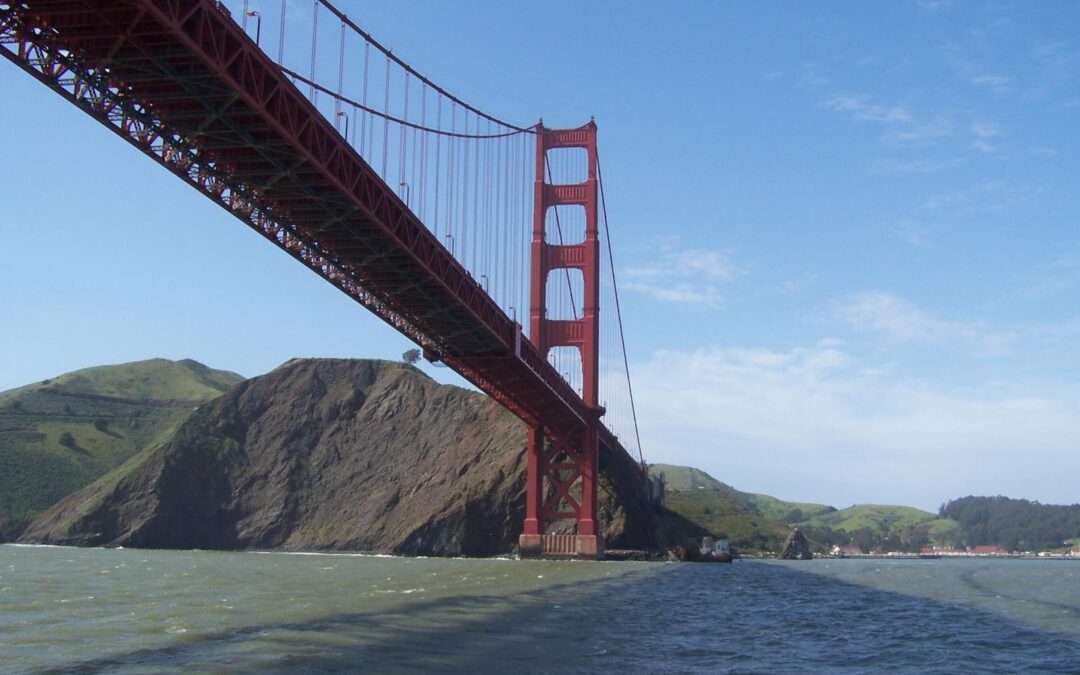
(411, 356)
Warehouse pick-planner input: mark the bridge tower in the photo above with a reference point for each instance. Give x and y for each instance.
(562, 480)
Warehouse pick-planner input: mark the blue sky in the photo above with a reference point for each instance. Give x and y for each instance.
(847, 233)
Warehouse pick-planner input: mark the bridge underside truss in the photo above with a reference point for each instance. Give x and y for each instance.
(180, 81)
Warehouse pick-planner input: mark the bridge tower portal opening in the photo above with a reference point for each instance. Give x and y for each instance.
(562, 478)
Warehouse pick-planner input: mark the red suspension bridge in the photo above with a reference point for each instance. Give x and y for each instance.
(484, 242)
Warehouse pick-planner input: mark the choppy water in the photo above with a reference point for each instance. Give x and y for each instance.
(96, 610)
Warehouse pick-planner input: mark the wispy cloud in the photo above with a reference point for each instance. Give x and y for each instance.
(820, 424)
(912, 233)
(933, 6)
(920, 134)
(899, 321)
(987, 197)
(810, 76)
(1060, 274)
(1057, 61)
(985, 134)
(995, 84)
(925, 165)
(861, 108)
(684, 275)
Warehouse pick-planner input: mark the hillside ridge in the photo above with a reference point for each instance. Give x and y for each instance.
(62, 433)
(334, 454)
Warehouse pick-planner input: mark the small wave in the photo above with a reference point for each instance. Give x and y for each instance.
(334, 554)
(36, 546)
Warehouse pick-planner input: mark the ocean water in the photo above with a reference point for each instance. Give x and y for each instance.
(137, 611)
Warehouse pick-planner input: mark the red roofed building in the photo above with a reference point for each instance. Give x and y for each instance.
(987, 550)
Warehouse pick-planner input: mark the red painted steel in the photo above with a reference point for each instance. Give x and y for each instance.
(561, 479)
(180, 81)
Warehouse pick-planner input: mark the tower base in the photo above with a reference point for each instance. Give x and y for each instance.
(585, 546)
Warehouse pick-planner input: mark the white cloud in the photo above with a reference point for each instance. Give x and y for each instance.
(986, 197)
(985, 130)
(912, 233)
(861, 108)
(912, 166)
(920, 134)
(933, 6)
(814, 423)
(899, 321)
(1061, 274)
(984, 133)
(996, 84)
(684, 275)
(810, 76)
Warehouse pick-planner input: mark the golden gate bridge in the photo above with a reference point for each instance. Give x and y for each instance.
(483, 241)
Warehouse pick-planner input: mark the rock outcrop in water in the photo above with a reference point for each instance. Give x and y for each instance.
(796, 547)
(334, 455)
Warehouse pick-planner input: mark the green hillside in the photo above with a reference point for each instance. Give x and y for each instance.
(720, 516)
(879, 518)
(680, 478)
(61, 434)
(749, 522)
(760, 522)
(150, 380)
(688, 478)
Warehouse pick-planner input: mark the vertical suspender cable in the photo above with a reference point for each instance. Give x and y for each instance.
(363, 99)
(313, 94)
(476, 199)
(281, 37)
(340, 80)
(465, 198)
(451, 171)
(423, 153)
(618, 310)
(438, 160)
(403, 138)
(386, 119)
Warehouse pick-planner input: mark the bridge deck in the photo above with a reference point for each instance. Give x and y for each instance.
(180, 80)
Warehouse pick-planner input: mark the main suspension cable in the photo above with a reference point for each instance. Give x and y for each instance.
(618, 308)
(409, 69)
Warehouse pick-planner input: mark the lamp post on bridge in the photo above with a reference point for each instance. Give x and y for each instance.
(344, 114)
(258, 23)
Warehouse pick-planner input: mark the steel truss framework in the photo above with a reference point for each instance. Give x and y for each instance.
(180, 81)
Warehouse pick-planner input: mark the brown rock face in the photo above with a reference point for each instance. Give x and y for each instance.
(796, 547)
(334, 455)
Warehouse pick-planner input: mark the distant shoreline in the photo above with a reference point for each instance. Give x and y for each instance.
(960, 556)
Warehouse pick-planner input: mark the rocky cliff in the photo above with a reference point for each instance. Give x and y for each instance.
(333, 455)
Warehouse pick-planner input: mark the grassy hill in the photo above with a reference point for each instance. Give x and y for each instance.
(877, 517)
(681, 478)
(688, 478)
(716, 514)
(751, 522)
(760, 522)
(61, 434)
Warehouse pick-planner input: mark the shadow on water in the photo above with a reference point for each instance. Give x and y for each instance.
(746, 617)
(970, 579)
